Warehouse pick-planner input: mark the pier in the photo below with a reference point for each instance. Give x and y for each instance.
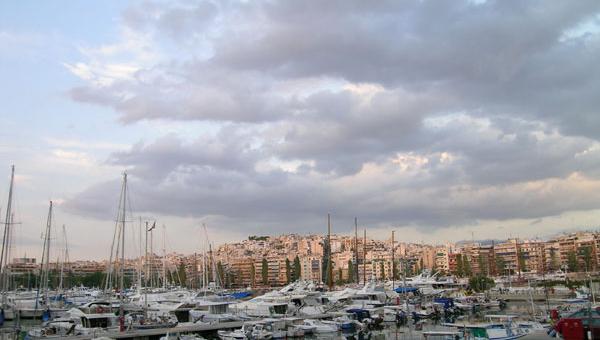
(158, 332)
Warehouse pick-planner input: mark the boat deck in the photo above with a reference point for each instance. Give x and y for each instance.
(149, 333)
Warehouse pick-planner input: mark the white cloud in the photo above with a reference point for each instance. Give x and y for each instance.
(268, 114)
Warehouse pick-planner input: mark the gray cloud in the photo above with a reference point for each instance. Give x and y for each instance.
(415, 113)
(484, 174)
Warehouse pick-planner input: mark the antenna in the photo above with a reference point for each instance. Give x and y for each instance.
(356, 249)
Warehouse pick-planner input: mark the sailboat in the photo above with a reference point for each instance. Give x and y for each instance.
(40, 304)
(135, 320)
(7, 311)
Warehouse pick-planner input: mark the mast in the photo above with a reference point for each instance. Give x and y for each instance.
(213, 268)
(517, 248)
(47, 244)
(164, 263)
(205, 260)
(122, 269)
(152, 257)
(65, 259)
(146, 273)
(147, 276)
(4, 275)
(329, 267)
(393, 262)
(365, 258)
(195, 279)
(44, 266)
(110, 267)
(356, 250)
(141, 261)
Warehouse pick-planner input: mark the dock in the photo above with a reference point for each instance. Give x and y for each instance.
(158, 332)
(182, 328)
(525, 296)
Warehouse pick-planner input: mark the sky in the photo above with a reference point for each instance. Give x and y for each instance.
(442, 120)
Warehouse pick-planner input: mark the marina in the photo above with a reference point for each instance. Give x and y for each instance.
(346, 322)
(299, 169)
(146, 305)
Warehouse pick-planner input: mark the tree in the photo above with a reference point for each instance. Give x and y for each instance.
(340, 276)
(229, 278)
(382, 270)
(288, 271)
(220, 273)
(500, 265)
(194, 272)
(395, 271)
(297, 269)
(553, 259)
(408, 270)
(467, 266)
(482, 263)
(182, 275)
(265, 272)
(252, 274)
(522, 263)
(572, 261)
(481, 283)
(586, 254)
(460, 271)
(350, 271)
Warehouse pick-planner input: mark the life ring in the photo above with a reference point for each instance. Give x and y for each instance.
(99, 309)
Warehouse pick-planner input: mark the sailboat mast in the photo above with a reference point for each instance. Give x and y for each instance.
(205, 262)
(147, 271)
(122, 269)
(141, 258)
(65, 258)
(393, 263)
(213, 269)
(43, 283)
(164, 258)
(47, 250)
(356, 250)
(365, 257)
(329, 268)
(6, 238)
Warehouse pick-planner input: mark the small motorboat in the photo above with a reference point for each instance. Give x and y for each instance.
(320, 327)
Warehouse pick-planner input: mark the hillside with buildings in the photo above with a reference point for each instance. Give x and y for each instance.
(276, 260)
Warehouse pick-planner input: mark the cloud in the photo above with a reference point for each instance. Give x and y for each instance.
(416, 113)
(481, 176)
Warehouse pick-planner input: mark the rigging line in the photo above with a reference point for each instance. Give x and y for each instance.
(130, 209)
(114, 252)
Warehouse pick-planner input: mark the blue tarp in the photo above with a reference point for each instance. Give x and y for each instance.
(360, 314)
(401, 290)
(447, 302)
(59, 297)
(240, 295)
(356, 310)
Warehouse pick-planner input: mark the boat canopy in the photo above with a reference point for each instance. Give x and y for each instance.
(447, 302)
(401, 290)
(241, 295)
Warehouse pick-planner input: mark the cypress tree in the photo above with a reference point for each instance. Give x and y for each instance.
(265, 272)
(288, 271)
(297, 268)
(350, 271)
